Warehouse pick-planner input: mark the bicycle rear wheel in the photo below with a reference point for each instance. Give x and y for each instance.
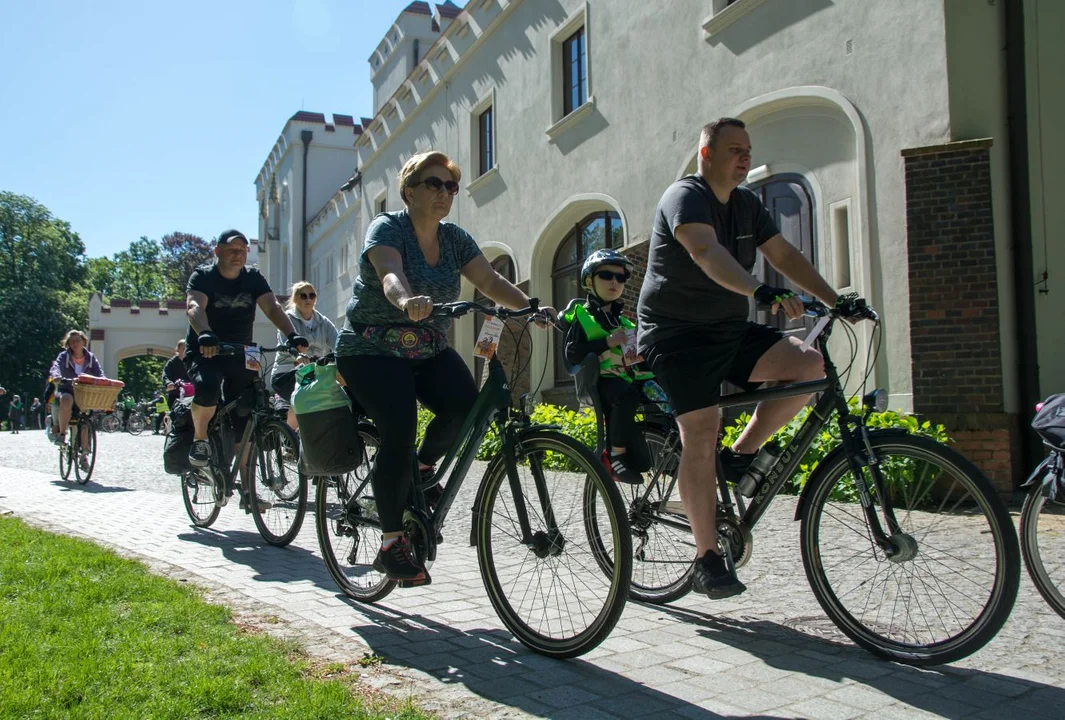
(548, 589)
(349, 530)
(198, 494)
(1043, 546)
(278, 494)
(136, 423)
(86, 452)
(663, 550)
(953, 580)
(66, 458)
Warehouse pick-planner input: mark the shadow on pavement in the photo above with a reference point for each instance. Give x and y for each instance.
(91, 488)
(272, 564)
(944, 690)
(498, 668)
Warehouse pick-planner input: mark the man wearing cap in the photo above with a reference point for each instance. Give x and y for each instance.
(221, 301)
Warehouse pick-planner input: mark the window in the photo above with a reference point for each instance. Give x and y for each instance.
(574, 72)
(329, 271)
(505, 267)
(595, 232)
(485, 141)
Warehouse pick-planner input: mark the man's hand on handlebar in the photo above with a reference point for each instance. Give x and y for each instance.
(780, 299)
(854, 308)
(208, 343)
(298, 342)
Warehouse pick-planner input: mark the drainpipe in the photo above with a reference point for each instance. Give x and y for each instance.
(1021, 220)
(305, 136)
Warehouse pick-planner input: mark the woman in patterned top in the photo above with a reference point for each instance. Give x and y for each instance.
(393, 354)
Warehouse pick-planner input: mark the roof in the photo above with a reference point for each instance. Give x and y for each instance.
(447, 9)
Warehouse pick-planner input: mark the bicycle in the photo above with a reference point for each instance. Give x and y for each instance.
(1042, 522)
(79, 452)
(106, 421)
(273, 490)
(137, 421)
(522, 486)
(855, 538)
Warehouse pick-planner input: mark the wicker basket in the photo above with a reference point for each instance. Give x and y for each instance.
(95, 397)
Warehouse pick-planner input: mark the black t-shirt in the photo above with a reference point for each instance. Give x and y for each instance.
(175, 370)
(230, 303)
(677, 295)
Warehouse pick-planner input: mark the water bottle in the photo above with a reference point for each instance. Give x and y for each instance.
(654, 392)
(759, 468)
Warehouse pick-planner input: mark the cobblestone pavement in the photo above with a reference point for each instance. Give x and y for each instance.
(769, 653)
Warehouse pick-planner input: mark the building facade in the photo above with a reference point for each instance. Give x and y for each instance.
(905, 147)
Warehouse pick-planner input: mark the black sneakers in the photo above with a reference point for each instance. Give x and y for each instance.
(715, 577)
(200, 453)
(734, 465)
(398, 563)
(621, 470)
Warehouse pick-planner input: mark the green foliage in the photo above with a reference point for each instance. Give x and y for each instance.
(139, 272)
(182, 253)
(142, 375)
(87, 634)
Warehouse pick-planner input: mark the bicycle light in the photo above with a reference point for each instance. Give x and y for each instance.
(876, 401)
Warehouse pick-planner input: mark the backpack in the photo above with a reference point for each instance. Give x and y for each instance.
(179, 440)
(1049, 421)
(329, 438)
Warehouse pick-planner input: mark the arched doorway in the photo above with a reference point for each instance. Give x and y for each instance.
(595, 231)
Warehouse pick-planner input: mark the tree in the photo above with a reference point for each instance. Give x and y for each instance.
(37, 248)
(139, 271)
(142, 375)
(182, 253)
(34, 325)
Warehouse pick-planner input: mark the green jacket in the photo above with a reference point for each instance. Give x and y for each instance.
(612, 361)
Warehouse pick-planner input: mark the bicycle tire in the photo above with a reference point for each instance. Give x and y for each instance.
(110, 423)
(533, 453)
(652, 550)
(343, 521)
(66, 459)
(278, 519)
(1034, 504)
(83, 476)
(901, 456)
(199, 498)
(136, 423)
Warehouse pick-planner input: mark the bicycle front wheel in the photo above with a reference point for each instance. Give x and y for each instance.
(1043, 546)
(198, 494)
(84, 458)
(349, 529)
(136, 423)
(278, 493)
(66, 457)
(547, 587)
(950, 582)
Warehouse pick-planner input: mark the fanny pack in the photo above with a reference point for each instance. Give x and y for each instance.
(412, 342)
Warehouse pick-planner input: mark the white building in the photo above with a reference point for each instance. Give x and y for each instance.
(881, 144)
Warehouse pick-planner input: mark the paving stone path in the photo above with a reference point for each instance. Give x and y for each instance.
(769, 653)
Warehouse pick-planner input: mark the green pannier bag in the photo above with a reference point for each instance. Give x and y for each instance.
(329, 440)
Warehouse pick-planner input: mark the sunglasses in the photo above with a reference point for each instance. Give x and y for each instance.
(436, 185)
(608, 276)
(308, 296)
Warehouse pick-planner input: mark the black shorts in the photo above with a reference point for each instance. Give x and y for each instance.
(692, 366)
(221, 377)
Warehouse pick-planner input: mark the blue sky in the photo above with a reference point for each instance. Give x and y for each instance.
(142, 118)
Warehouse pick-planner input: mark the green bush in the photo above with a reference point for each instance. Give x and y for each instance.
(580, 425)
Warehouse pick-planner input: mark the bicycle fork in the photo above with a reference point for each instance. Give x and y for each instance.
(543, 543)
(860, 455)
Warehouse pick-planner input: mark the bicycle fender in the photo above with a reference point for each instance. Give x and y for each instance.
(829, 460)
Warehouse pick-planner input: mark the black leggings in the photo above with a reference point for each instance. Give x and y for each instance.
(621, 400)
(389, 389)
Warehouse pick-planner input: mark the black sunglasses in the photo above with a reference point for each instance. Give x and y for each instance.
(608, 276)
(436, 185)
(308, 296)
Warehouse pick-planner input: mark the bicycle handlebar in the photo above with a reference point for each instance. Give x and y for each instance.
(458, 309)
(816, 308)
(229, 348)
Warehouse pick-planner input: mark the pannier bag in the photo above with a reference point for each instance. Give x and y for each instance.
(179, 440)
(329, 441)
(1049, 422)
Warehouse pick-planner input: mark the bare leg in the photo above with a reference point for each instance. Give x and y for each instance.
(201, 418)
(788, 363)
(697, 475)
(291, 420)
(66, 407)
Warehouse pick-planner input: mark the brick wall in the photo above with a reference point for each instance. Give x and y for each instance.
(954, 314)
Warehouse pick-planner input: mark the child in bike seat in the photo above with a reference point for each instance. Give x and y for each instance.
(597, 326)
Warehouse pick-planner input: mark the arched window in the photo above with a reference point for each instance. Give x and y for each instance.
(595, 232)
(505, 267)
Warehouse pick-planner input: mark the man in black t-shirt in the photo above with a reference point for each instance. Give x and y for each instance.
(221, 301)
(175, 372)
(694, 332)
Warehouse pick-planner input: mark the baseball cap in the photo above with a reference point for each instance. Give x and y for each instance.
(229, 236)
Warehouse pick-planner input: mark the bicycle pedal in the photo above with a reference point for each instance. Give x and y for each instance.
(416, 582)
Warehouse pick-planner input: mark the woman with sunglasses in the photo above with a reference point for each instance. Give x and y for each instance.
(393, 354)
(319, 330)
(597, 326)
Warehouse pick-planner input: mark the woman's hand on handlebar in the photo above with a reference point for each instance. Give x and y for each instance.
(547, 317)
(418, 307)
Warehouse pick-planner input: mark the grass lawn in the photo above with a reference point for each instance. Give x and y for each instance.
(87, 634)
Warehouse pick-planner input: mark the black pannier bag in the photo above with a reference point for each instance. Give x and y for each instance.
(329, 440)
(1049, 422)
(179, 440)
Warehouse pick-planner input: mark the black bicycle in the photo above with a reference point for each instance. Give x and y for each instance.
(533, 548)
(1043, 515)
(272, 488)
(906, 545)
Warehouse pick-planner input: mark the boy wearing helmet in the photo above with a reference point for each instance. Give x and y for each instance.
(597, 326)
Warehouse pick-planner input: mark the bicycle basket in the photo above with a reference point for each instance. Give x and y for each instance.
(1049, 422)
